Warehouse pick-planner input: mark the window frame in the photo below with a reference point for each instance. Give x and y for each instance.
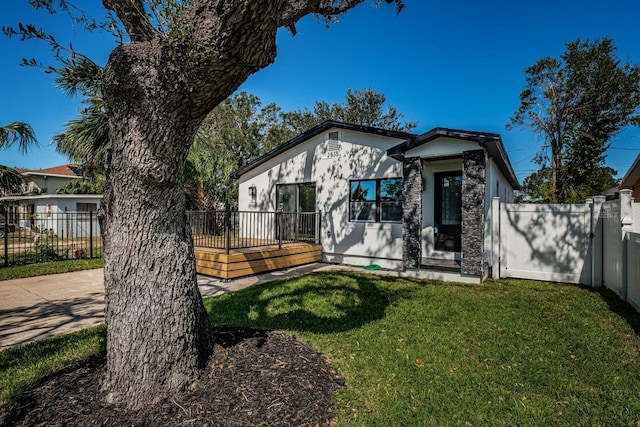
(297, 186)
(377, 201)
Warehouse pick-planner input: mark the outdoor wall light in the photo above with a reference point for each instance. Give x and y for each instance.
(253, 190)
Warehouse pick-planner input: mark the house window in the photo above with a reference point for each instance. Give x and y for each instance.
(86, 207)
(376, 200)
(296, 197)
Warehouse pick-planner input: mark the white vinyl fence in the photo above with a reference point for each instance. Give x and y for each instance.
(594, 244)
(612, 247)
(633, 269)
(545, 242)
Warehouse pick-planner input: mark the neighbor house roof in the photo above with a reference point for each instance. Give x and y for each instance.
(71, 170)
(632, 177)
(50, 197)
(492, 142)
(313, 132)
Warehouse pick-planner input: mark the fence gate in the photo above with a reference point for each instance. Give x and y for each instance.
(545, 242)
(612, 246)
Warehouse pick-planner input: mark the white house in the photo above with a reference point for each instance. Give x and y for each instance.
(70, 215)
(48, 180)
(398, 200)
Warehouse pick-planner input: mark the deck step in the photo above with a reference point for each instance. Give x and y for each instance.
(251, 261)
(434, 264)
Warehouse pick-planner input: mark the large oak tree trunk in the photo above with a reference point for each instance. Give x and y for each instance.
(157, 327)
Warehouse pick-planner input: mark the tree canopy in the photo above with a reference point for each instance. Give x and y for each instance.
(576, 104)
(366, 107)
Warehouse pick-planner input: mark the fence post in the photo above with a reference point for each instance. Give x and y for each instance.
(90, 234)
(596, 241)
(318, 225)
(626, 222)
(279, 221)
(495, 238)
(6, 237)
(227, 229)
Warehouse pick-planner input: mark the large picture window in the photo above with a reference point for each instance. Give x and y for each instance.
(376, 200)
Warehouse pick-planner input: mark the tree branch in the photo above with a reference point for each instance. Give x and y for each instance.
(132, 15)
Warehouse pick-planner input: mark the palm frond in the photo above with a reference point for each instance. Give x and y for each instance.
(17, 132)
(10, 180)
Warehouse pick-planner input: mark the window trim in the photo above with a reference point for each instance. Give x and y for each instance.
(377, 202)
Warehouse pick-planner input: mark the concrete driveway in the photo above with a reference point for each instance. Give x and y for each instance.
(40, 307)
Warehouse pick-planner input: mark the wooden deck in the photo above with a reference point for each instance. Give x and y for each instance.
(244, 262)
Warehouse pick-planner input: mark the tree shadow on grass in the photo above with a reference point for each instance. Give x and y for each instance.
(321, 303)
(621, 308)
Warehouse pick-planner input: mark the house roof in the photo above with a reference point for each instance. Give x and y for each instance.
(492, 142)
(71, 170)
(632, 176)
(310, 134)
(51, 197)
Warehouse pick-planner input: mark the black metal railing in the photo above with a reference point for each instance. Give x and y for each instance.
(246, 229)
(43, 237)
(33, 238)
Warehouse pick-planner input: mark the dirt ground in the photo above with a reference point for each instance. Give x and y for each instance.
(255, 378)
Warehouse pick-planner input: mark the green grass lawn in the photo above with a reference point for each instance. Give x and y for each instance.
(429, 353)
(41, 269)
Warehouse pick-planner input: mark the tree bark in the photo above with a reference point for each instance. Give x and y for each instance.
(157, 326)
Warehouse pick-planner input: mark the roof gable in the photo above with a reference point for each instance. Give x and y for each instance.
(491, 142)
(316, 130)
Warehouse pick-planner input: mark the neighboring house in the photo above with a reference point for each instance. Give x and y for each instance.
(398, 200)
(46, 211)
(47, 181)
(631, 179)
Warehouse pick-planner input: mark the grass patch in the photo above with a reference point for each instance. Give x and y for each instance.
(41, 269)
(24, 366)
(428, 353)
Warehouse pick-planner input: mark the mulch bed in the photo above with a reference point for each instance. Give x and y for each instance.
(255, 378)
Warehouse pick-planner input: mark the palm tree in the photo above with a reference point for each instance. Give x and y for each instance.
(14, 133)
(86, 139)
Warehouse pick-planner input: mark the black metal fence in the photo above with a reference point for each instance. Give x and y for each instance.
(245, 229)
(42, 237)
(32, 238)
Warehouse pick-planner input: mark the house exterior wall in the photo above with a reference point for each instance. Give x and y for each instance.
(49, 208)
(48, 183)
(636, 191)
(358, 156)
(496, 186)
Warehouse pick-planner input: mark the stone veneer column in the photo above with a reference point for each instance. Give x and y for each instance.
(473, 192)
(412, 213)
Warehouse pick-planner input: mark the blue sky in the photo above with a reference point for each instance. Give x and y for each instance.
(457, 64)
